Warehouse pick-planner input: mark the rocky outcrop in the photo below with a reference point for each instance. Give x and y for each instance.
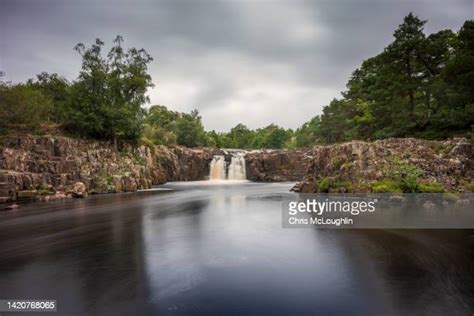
(186, 164)
(49, 167)
(277, 165)
(358, 164)
(53, 167)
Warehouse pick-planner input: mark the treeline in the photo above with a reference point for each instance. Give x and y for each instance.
(420, 85)
(104, 102)
(166, 127)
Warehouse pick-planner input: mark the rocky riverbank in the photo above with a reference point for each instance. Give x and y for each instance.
(53, 167)
(391, 165)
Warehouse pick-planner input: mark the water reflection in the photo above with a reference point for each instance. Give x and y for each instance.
(221, 249)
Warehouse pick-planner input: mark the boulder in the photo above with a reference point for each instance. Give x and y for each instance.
(79, 190)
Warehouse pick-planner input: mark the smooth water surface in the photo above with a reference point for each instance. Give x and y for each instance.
(218, 248)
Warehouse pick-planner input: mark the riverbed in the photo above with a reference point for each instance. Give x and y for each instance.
(218, 248)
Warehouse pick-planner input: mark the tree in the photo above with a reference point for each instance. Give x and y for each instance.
(57, 89)
(190, 131)
(403, 52)
(107, 97)
(271, 136)
(240, 136)
(160, 116)
(309, 133)
(418, 86)
(22, 106)
(459, 76)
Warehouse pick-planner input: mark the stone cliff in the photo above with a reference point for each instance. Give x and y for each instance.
(49, 167)
(53, 167)
(278, 165)
(389, 165)
(359, 166)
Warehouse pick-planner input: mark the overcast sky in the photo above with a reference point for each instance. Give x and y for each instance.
(255, 62)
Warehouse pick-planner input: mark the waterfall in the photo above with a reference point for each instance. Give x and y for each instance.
(237, 167)
(217, 168)
(230, 166)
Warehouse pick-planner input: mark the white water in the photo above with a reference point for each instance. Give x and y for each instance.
(219, 170)
(237, 167)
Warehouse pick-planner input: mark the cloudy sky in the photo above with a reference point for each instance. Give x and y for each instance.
(255, 62)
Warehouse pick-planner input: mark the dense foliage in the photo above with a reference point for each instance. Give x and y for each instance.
(419, 85)
(104, 102)
(166, 127)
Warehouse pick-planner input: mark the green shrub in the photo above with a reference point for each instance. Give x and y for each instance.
(46, 190)
(323, 185)
(387, 186)
(440, 148)
(22, 106)
(337, 163)
(470, 186)
(430, 187)
(346, 185)
(407, 175)
(159, 136)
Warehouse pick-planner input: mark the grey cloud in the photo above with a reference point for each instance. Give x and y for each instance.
(255, 62)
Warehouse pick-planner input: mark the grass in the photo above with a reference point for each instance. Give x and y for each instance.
(337, 163)
(325, 185)
(430, 187)
(46, 190)
(470, 186)
(146, 142)
(440, 148)
(386, 186)
(398, 186)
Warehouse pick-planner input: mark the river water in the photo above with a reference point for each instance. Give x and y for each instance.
(218, 248)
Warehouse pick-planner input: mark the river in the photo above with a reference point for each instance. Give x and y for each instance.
(218, 248)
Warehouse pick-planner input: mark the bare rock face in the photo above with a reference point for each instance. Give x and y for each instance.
(187, 164)
(448, 163)
(47, 167)
(277, 165)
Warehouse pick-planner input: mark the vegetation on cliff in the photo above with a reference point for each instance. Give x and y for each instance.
(405, 165)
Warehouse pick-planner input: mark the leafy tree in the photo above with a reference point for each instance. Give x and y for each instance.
(271, 136)
(22, 107)
(159, 115)
(190, 131)
(418, 86)
(308, 134)
(240, 137)
(170, 127)
(459, 76)
(107, 97)
(57, 89)
(337, 121)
